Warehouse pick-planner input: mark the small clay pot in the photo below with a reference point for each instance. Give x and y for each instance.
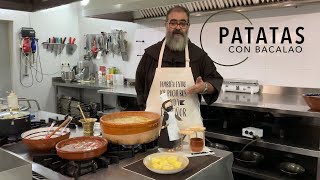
(196, 144)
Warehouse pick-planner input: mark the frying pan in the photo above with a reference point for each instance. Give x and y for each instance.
(81, 148)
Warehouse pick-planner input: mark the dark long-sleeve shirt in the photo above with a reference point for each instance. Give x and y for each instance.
(200, 63)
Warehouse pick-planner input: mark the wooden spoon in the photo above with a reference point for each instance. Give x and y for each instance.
(61, 125)
(84, 118)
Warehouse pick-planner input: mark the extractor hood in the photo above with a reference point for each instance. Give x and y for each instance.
(131, 10)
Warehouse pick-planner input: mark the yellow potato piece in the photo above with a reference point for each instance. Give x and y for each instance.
(163, 157)
(172, 158)
(155, 160)
(166, 163)
(167, 167)
(177, 165)
(156, 166)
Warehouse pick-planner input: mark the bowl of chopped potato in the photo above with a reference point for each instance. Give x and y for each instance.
(166, 162)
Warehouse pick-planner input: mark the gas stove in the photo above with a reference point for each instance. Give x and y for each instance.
(66, 169)
(75, 169)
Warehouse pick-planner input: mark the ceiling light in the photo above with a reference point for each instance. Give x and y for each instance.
(84, 2)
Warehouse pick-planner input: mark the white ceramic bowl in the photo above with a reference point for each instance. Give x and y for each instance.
(147, 162)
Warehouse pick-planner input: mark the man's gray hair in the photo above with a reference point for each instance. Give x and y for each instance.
(178, 9)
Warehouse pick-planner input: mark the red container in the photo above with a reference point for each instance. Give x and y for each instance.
(103, 69)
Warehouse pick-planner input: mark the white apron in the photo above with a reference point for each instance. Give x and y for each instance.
(174, 82)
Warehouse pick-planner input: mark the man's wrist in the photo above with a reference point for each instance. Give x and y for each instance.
(205, 90)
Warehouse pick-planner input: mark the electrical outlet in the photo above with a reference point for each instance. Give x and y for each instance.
(65, 64)
(251, 132)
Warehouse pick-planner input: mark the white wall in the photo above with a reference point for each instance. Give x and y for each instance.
(60, 22)
(96, 26)
(296, 70)
(5, 70)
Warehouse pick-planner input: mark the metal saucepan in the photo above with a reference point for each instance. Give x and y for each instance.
(14, 122)
(291, 169)
(248, 158)
(68, 76)
(81, 148)
(130, 133)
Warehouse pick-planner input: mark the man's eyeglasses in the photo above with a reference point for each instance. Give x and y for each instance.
(174, 23)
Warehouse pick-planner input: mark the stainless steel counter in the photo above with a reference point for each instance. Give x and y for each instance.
(284, 100)
(128, 91)
(88, 85)
(283, 104)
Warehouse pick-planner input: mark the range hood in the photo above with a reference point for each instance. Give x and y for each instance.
(132, 10)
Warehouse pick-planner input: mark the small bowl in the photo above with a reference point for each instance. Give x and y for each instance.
(248, 158)
(34, 139)
(291, 169)
(181, 158)
(313, 101)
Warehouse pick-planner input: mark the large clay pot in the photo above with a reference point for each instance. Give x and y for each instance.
(130, 133)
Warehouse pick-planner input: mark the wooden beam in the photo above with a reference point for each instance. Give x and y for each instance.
(39, 5)
(15, 6)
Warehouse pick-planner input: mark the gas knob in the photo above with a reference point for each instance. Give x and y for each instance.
(246, 132)
(251, 133)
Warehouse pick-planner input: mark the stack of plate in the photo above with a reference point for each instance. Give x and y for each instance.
(89, 110)
(64, 104)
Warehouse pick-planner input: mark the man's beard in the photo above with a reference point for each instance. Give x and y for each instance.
(177, 40)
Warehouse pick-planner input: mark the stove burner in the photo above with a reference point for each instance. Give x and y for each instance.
(14, 139)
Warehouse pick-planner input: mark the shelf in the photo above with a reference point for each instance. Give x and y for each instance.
(267, 174)
(265, 144)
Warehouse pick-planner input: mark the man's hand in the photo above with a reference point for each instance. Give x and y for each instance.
(199, 87)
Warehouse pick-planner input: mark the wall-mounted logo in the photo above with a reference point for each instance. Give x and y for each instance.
(249, 39)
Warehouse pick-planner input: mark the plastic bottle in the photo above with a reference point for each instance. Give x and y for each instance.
(100, 77)
(12, 99)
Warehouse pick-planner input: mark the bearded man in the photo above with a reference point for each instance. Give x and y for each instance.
(179, 68)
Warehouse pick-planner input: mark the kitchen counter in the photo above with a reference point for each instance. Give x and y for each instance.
(87, 85)
(219, 170)
(263, 102)
(292, 104)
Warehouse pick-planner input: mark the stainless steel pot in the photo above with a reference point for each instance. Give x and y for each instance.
(291, 169)
(68, 76)
(14, 122)
(248, 158)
